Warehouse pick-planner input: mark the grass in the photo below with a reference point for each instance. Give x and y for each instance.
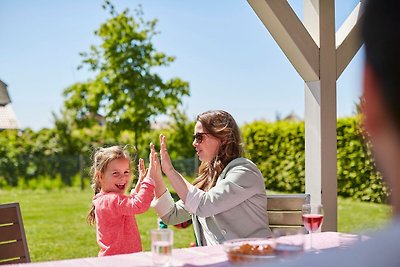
(358, 217)
(56, 228)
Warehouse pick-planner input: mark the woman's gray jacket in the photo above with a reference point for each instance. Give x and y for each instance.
(236, 207)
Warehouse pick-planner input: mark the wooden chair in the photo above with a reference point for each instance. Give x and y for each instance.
(13, 244)
(284, 212)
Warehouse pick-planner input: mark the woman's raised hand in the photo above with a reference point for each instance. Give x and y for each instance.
(166, 163)
(177, 181)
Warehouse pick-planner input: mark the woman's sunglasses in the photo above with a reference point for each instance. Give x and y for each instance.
(198, 137)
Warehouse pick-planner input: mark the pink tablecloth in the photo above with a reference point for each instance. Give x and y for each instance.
(211, 256)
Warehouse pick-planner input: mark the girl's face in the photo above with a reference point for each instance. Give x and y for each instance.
(205, 144)
(116, 177)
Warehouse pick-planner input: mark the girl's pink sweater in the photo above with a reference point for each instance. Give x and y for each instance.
(117, 230)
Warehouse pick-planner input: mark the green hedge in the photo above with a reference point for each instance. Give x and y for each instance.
(357, 174)
(278, 149)
(55, 157)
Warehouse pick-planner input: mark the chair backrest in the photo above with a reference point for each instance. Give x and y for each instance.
(284, 212)
(13, 245)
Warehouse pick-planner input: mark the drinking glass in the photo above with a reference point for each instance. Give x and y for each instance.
(313, 217)
(162, 241)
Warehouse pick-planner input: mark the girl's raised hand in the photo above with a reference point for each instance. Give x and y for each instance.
(142, 173)
(142, 170)
(154, 166)
(155, 172)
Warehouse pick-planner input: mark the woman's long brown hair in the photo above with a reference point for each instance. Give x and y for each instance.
(221, 125)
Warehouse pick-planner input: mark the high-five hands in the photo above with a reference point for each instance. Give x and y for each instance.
(177, 181)
(154, 170)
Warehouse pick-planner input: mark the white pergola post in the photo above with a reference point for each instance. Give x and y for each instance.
(319, 56)
(320, 112)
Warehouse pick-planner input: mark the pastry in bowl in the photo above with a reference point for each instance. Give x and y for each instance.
(249, 250)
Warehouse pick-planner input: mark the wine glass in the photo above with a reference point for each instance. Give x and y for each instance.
(313, 217)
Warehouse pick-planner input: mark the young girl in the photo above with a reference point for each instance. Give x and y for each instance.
(112, 211)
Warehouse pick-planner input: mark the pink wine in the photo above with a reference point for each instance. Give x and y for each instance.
(312, 222)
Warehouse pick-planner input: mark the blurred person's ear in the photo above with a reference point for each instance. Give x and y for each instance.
(372, 106)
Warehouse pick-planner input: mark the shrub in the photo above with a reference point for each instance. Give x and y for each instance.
(61, 156)
(278, 149)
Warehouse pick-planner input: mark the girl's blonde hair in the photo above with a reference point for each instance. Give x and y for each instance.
(223, 126)
(101, 158)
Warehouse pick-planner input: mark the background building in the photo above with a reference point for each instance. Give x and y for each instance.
(8, 120)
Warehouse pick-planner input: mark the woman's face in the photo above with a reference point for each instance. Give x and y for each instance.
(116, 177)
(206, 145)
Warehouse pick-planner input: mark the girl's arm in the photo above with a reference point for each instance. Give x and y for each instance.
(142, 174)
(140, 202)
(156, 174)
(178, 182)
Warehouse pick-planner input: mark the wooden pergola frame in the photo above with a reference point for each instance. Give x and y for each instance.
(319, 55)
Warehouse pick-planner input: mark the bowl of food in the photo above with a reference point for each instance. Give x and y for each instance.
(247, 250)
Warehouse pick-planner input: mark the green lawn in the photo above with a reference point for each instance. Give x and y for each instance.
(358, 217)
(56, 228)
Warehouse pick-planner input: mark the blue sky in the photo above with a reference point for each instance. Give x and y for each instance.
(221, 47)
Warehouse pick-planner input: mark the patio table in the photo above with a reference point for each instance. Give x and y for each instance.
(214, 256)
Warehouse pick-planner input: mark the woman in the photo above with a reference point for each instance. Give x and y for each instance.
(227, 200)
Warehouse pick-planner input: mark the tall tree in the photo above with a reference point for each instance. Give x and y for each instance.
(126, 93)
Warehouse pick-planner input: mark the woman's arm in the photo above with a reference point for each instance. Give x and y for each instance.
(165, 206)
(242, 181)
(178, 182)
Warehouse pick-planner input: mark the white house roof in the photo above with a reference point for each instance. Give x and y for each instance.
(8, 120)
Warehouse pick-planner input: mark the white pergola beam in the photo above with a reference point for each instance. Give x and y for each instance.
(348, 40)
(291, 35)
